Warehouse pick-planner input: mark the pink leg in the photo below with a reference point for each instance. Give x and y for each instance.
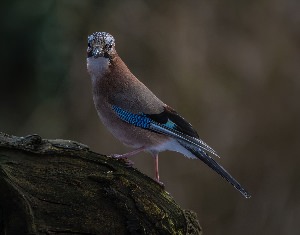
(156, 167)
(125, 155)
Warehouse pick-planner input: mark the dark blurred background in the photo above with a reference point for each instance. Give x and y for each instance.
(231, 68)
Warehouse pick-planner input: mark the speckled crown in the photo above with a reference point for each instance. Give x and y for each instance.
(101, 44)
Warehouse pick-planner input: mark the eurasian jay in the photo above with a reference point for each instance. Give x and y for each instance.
(135, 116)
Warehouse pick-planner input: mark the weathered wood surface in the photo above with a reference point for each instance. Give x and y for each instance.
(61, 187)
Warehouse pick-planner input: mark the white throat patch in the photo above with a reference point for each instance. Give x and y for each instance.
(97, 66)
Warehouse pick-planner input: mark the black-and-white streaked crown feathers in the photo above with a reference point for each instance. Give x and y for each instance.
(101, 44)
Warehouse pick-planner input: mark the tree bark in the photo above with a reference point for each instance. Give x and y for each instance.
(61, 187)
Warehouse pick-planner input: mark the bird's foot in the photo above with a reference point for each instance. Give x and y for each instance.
(160, 183)
(116, 156)
(128, 162)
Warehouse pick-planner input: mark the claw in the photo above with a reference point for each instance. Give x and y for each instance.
(128, 162)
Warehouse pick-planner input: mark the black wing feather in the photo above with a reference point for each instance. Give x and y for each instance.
(181, 124)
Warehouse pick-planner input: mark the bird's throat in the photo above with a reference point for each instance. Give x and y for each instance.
(97, 66)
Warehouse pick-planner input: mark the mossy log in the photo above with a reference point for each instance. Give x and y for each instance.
(61, 187)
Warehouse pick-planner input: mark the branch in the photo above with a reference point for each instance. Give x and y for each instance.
(61, 187)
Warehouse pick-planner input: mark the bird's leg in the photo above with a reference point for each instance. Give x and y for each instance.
(155, 155)
(126, 155)
(156, 167)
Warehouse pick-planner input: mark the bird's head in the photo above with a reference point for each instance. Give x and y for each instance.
(101, 44)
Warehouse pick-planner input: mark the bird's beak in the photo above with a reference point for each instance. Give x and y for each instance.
(94, 51)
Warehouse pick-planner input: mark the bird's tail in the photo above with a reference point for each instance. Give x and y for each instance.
(203, 156)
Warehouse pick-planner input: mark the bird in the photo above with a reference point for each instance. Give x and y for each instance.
(136, 116)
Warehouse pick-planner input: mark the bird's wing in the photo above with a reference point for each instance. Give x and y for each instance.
(171, 124)
(170, 118)
(168, 122)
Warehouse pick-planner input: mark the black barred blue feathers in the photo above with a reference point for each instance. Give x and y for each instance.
(138, 120)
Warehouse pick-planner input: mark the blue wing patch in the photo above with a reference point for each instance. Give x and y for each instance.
(170, 124)
(139, 120)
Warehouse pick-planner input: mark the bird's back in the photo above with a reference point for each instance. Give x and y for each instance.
(121, 88)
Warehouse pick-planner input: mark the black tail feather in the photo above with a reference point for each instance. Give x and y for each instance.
(203, 156)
